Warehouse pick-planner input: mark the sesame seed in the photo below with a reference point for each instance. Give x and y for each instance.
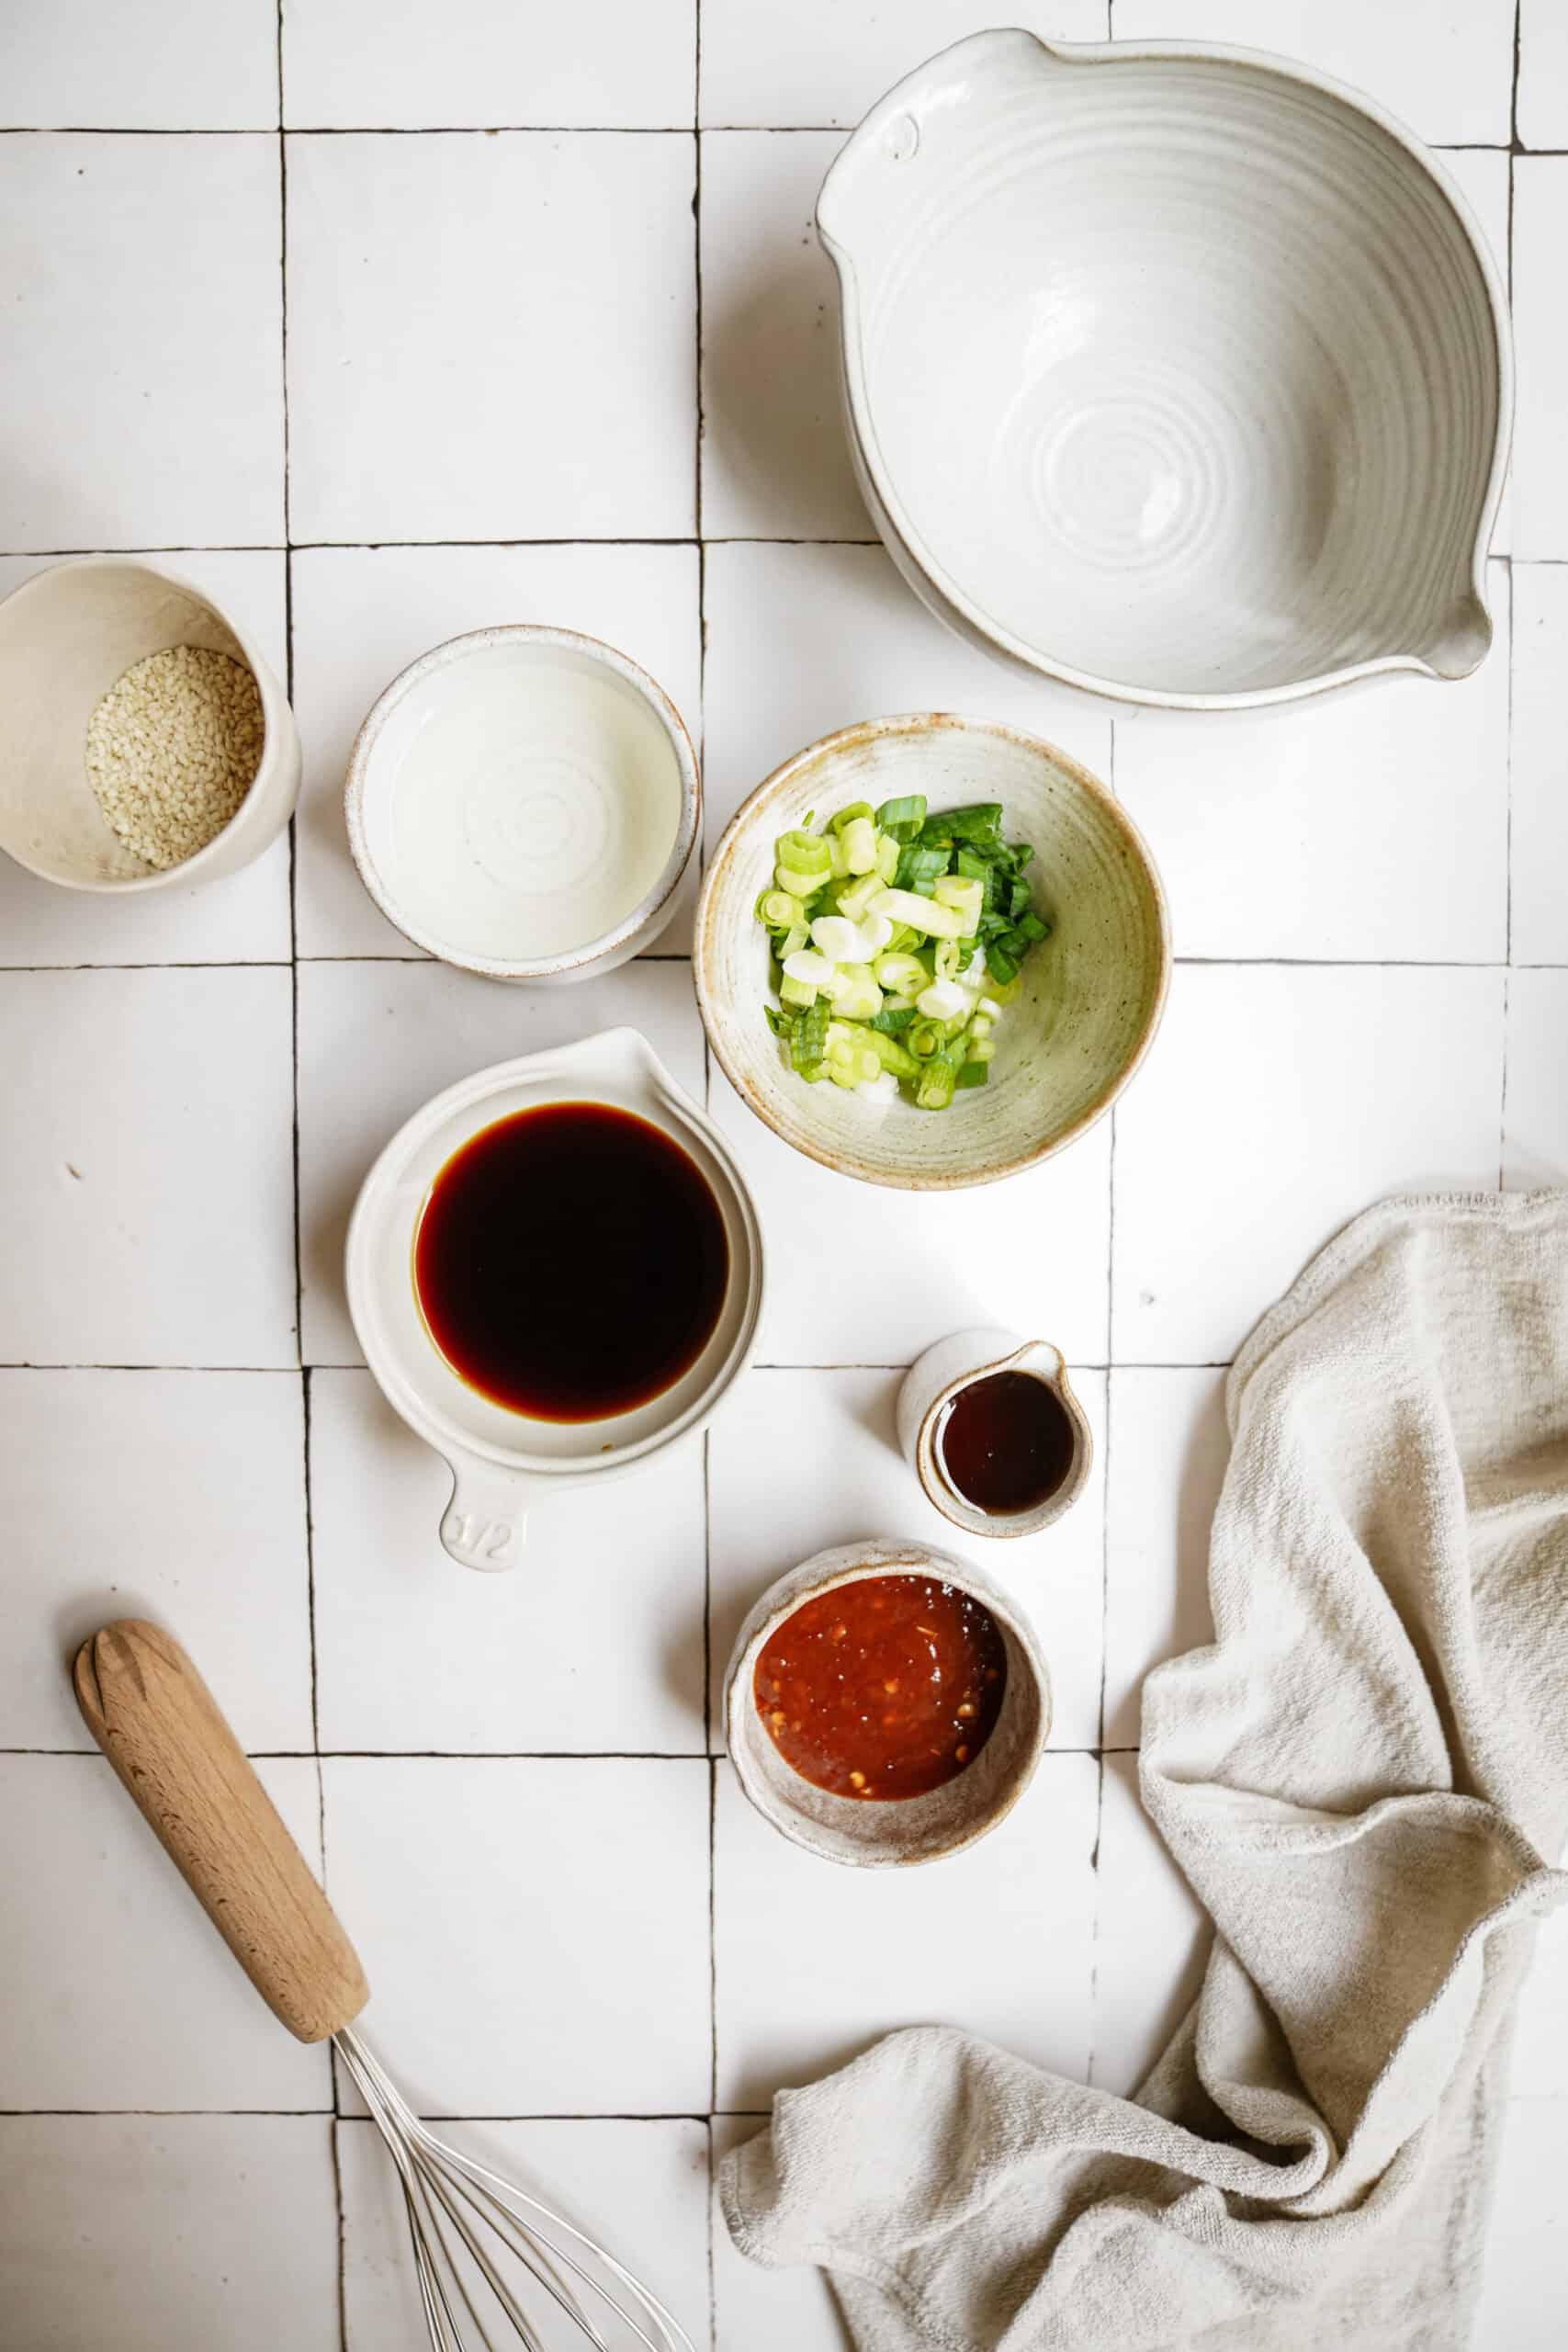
(173, 748)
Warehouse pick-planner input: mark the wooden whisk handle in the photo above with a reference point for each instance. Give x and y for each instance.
(164, 1734)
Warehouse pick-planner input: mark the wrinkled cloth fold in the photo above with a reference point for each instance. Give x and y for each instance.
(1365, 1779)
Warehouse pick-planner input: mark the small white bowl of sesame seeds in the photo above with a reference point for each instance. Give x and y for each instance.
(143, 740)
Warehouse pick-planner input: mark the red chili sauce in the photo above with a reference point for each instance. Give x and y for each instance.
(885, 1688)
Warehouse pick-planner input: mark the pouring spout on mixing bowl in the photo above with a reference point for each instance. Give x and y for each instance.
(1463, 640)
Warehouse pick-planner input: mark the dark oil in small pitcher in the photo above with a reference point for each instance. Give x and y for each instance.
(1007, 1443)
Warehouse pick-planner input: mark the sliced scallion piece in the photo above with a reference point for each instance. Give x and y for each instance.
(896, 938)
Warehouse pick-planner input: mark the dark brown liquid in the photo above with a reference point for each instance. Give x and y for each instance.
(1007, 1443)
(571, 1262)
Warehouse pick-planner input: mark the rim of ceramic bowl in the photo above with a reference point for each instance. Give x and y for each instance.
(470, 1098)
(912, 723)
(857, 1564)
(967, 608)
(272, 697)
(654, 903)
(943, 1495)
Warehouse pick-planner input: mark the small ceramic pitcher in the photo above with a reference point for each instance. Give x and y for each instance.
(929, 1387)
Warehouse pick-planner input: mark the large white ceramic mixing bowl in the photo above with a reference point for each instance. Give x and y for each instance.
(1178, 373)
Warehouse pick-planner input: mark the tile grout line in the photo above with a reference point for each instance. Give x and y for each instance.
(1178, 963)
(436, 2115)
(1109, 1332)
(700, 519)
(1514, 152)
(713, 2268)
(484, 1755)
(1509, 852)
(1094, 1939)
(381, 547)
(1105, 1510)
(305, 1397)
(559, 131)
(335, 2129)
(292, 1371)
(713, 1765)
(1508, 557)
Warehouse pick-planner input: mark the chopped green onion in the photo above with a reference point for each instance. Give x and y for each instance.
(920, 869)
(904, 975)
(920, 914)
(807, 965)
(963, 893)
(903, 819)
(933, 1088)
(974, 868)
(891, 1053)
(859, 838)
(808, 1041)
(806, 853)
(855, 896)
(980, 822)
(895, 939)
(859, 998)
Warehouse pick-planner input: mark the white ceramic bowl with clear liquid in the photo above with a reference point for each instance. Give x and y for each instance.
(523, 802)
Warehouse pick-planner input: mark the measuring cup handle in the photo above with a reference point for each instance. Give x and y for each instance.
(483, 1523)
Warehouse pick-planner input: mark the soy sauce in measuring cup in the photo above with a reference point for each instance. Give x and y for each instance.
(571, 1262)
(1006, 1442)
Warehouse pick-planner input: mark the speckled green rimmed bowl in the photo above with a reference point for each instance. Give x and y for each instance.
(1092, 994)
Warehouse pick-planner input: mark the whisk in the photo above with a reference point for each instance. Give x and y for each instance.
(487, 2253)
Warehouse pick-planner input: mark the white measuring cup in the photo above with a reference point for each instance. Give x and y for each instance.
(500, 1459)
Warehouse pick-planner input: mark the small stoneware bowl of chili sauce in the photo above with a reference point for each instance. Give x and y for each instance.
(885, 1703)
(990, 1425)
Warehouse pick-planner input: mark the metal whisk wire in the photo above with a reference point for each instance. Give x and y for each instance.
(163, 1732)
(439, 2182)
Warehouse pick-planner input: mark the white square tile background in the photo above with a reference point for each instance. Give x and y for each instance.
(520, 316)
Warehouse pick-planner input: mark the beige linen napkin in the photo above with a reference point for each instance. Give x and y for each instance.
(1360, 1779)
